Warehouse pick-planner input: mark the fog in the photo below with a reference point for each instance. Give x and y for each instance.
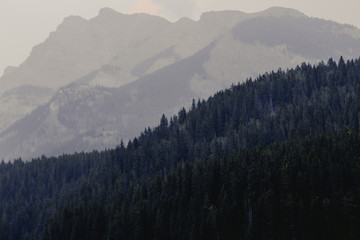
(24, 24)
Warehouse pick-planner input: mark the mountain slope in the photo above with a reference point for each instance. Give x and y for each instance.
(76, 48)
(143, 73)
(80, 46)
(86, 118)
(17, 102)
(298, 37)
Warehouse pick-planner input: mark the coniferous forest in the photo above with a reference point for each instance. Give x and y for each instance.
(273, 158)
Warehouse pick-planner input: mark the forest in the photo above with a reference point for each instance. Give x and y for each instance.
(277, 157)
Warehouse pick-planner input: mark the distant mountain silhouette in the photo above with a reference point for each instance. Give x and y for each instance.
(94, 82)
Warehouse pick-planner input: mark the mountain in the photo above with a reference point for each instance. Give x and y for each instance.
(110, 76)
(273, 158)
(76, 48)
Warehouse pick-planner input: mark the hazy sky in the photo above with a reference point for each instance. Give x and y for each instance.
(24, 24)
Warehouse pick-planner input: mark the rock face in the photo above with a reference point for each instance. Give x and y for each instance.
(95, 82)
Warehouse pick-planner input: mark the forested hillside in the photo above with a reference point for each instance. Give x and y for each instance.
(304, 189)
(276, 158)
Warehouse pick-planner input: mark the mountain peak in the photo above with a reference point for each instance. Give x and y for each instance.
(74, 19)
(108, 15)
(281, 11)
(108, 12)
(72, 22)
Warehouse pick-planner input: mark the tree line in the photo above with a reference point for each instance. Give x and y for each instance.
(276, 157)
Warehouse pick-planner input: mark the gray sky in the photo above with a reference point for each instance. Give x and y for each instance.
(24, 24)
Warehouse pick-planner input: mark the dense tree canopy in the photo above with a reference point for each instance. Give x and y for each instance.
(278, 157)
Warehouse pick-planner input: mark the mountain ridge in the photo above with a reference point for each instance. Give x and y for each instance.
(198, 57)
